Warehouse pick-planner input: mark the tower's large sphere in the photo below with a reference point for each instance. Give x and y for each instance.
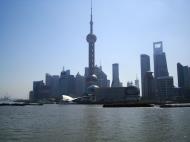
(91, 38)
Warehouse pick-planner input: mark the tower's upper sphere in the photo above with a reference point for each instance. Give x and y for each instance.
(91, 38)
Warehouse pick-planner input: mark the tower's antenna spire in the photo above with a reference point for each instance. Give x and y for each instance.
(91, 7)
(91, 22)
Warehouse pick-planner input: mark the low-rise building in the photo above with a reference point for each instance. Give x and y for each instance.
(117, 94)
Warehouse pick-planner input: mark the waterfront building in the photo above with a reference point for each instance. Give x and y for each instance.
(37, 87)
(186, 77)
(117, 94)
(160, 64)
(101, 76)
(183, 73)
(80, 85)
(31, 96)
(115, 75)
(67, 83)
(165, 87)
(52, 81)
(145, 66)
(163, 80)
(40, 90)
(180, 74)
(149, 86)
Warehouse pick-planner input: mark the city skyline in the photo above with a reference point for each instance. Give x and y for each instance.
(35, 43)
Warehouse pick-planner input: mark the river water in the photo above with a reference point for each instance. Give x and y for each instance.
(92, 123)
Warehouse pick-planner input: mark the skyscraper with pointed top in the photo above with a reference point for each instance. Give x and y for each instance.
(91, 39)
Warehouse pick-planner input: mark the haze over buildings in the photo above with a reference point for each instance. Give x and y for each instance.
(47, 35)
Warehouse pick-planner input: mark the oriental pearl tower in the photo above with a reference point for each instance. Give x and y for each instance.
(91, 80)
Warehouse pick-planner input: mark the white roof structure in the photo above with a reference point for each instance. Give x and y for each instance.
(67, 98)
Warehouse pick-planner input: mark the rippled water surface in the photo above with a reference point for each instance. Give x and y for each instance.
(89, 123)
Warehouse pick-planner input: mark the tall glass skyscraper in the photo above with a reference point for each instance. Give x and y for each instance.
(115, 72)
(164, 82)
(145, 67)
(160, 64)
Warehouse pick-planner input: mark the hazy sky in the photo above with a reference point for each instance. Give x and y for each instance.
(42, 36)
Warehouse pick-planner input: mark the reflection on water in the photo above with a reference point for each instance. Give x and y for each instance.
(93, 123)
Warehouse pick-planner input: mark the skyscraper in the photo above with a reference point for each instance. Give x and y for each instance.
(80, 85)
(67, 83)
(91, 39)
(148, 86)
(40, 90)
(183, 73)
(52, 81)
(160, 64)
(145, 66)
(180, 75)
(164, 82)
(186, 77)
(115, 73)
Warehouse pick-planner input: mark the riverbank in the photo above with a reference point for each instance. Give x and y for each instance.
(19, 104)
